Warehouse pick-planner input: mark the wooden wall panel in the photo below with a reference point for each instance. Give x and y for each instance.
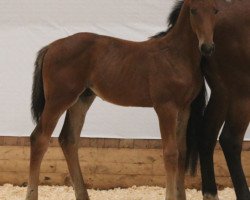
(105, 163)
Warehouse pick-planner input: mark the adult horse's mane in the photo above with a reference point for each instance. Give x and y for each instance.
(172, 19)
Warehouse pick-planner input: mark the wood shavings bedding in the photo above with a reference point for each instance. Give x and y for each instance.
(10, 192)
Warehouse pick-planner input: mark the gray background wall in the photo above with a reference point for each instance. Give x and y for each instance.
(26, 26)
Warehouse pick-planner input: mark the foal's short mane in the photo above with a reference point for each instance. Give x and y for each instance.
(172, 19)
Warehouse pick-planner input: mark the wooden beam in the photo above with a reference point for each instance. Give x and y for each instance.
(105, 167)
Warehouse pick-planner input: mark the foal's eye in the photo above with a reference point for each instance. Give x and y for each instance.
(193, 11)
(216, 11)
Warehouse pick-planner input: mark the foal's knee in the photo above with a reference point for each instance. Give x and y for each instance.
(171, 156)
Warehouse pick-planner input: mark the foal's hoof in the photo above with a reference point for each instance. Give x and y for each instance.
(210, 197)
(87, 198)
(31, 197)
(84, 197)
(31, 194)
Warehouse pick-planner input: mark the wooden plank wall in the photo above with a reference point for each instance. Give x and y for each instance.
(105, 163)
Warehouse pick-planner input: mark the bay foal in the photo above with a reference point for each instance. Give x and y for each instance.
(163, 73)
(227, 73)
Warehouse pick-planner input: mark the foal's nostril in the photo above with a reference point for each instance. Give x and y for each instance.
(207, 49)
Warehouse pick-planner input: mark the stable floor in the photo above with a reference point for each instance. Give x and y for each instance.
(8, 192)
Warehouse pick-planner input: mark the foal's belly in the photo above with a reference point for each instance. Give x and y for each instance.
(123, 92)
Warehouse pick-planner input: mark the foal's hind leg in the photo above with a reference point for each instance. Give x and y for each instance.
(69, 139)
(40, 141)
(231, 141)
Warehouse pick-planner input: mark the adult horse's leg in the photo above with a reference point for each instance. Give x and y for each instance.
(69, 139)
(231, 141)
(40, 142)
(183, 118)
(168, 117)
(213, 120)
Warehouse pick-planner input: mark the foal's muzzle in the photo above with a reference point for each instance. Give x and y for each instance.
(207, 49)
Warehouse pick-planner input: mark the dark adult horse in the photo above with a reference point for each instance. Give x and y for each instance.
(163, 73)
(228, 75)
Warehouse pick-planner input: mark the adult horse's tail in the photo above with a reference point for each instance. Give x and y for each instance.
(38, 100)
(194, 129)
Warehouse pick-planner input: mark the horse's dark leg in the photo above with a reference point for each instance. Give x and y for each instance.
(168, 117)
(40, 142)
(213, 119)
(181, 141)
(69, 139)
(231, 141)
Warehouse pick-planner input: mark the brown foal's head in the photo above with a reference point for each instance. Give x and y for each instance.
(202, 18)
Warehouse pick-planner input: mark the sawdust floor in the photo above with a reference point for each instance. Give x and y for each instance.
(9, 192)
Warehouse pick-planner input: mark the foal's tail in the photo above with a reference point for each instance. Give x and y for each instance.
(193, 130)
(38, 100)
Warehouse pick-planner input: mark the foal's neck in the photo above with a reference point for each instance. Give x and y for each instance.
(182, 41)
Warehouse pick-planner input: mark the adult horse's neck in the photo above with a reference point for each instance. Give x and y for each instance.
(182, 41)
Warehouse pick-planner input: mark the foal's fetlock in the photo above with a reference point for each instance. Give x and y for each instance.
(210, 197)
(82, 195)
(31, 194)
(84, 198)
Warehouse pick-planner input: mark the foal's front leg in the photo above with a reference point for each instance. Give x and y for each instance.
(183, 118)
(168, 119)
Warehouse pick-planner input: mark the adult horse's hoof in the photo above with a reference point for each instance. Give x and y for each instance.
(210, 197)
